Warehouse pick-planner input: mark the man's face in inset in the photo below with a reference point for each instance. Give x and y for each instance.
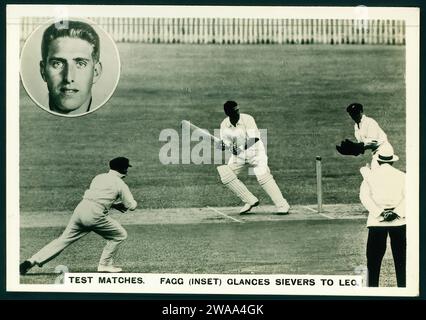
(70, 71)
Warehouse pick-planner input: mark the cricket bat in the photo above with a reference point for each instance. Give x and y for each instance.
(186, 123)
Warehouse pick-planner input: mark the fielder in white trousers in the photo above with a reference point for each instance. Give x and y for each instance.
(88, 216)
(106, 191)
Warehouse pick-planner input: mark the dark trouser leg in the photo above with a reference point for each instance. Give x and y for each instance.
(399, 245)
(376, 248)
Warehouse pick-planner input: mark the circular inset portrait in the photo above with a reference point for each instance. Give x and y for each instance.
(70, 67)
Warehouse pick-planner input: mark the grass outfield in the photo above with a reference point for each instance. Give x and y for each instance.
(297, 92)
(268, 247)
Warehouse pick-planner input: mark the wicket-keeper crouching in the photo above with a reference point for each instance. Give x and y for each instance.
(239, 133)
(367, 132)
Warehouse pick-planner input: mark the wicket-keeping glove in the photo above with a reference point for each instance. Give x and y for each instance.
(348, 147)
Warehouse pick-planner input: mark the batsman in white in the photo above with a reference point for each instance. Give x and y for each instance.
(239, 133)
(107, 190)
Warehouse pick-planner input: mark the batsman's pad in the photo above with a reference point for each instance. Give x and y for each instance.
(268, 184)
(230, 179)
(350, 148)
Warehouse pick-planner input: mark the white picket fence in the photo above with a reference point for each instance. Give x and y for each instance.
(244, 31)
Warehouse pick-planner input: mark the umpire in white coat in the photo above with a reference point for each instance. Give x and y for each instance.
(382, 193)
(106, 191)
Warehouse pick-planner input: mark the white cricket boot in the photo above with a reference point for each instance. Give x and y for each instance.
(247, 207)
(283, 210)
(111, 268)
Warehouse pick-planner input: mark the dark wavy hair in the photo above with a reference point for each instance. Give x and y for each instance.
(71, 29)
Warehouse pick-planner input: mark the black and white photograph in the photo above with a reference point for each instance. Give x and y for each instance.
(63, 68)
(213, 150)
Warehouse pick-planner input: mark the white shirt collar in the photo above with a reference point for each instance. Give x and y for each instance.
(116, 173)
